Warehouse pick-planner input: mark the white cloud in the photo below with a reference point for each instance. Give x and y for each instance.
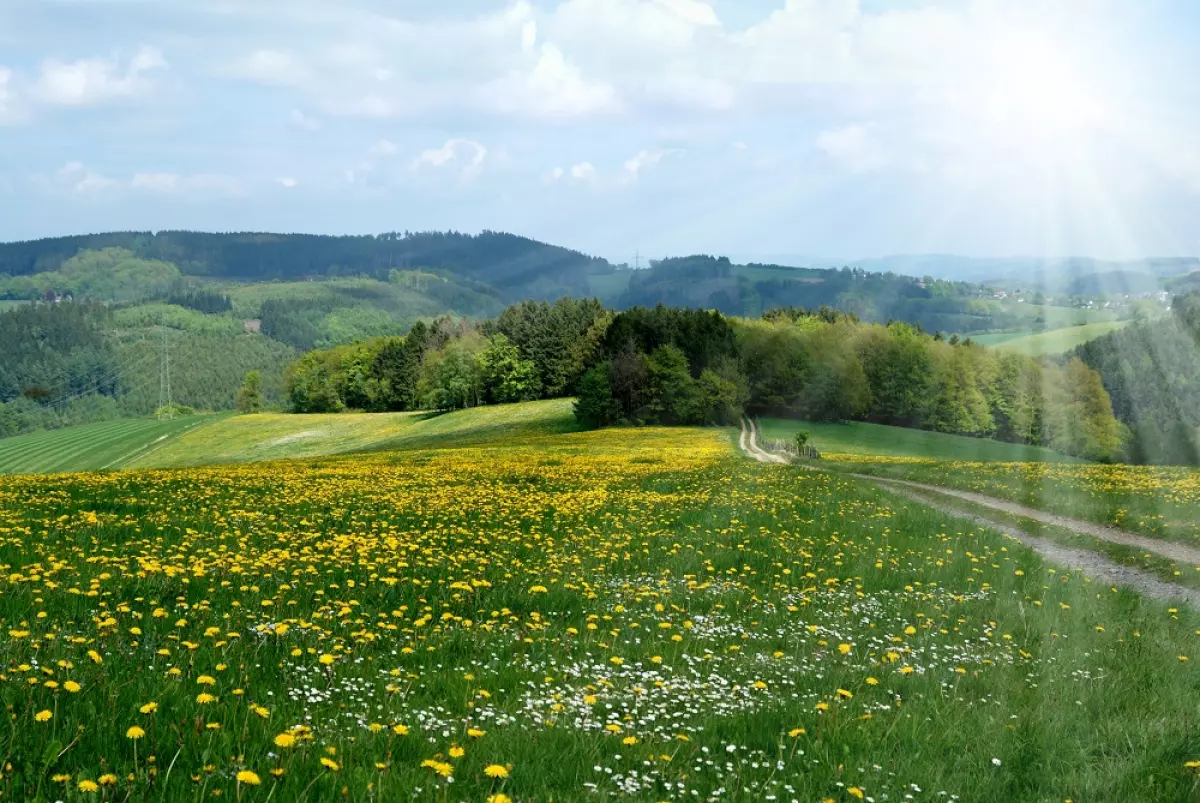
(854, 146)
(287, 182)
(271, 67)
(692, 11)
(529, 35)
(384, 147)
(10, 113)
(552, 87)
(643, 160)
(302, 120)
(88, 82)
(180, 184)
(76, 178)
(584, 171)
(464, 153)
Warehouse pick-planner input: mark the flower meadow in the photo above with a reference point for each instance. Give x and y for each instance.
(635, 615)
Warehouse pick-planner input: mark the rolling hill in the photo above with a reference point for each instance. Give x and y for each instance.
(92, 447)
(212, 440)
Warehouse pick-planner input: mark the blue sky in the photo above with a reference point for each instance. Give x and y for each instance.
(825, 127)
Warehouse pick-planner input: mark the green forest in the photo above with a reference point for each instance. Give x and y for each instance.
(1151, 370)
(684, 366)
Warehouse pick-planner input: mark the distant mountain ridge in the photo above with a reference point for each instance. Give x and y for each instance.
(519, 266)
(1056, 274)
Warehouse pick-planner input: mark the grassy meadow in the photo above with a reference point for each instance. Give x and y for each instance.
(638, 614)
(1159, 501)
(859, 438)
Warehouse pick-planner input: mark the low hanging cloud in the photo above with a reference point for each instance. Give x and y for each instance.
(78, 179)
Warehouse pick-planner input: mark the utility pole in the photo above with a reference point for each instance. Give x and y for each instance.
(637, 260)
(164, 377)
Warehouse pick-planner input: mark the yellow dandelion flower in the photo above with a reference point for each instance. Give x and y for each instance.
(43, 716)
(72, 686)
(134, 733)
(495, 771)
(88, 786)
(148, 708)
(457, 752)
(330, 764)
(285, 740)
(249, 778)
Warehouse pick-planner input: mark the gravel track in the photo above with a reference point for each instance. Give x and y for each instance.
(1092, 564)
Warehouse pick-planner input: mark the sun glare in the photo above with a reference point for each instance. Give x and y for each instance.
(1036, 90)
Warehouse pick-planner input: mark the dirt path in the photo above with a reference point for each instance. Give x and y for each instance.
(1180, 553)
(1092, 564)
(749, 444)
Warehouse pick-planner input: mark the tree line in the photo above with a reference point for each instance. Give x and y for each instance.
(686, 366)
(533, 350)
(674, 366)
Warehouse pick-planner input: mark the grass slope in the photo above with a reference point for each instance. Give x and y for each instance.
(1057, 341)
(859, 438)
(110, 444)
(274, 436)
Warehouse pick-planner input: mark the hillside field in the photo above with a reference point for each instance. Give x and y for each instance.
(273, 436)
(860, 438)
(1049, 343)
(90, 447)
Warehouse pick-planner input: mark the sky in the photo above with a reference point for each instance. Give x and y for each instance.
(751, 128)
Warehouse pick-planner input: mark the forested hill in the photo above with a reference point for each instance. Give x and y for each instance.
(519, 266)
(1151, 370)
(506, 266)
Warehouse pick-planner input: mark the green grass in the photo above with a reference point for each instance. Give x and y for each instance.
(111, 444)
(570, 608)
(1158, 501)
(273, 436)
(858, 438)
(1057, 341)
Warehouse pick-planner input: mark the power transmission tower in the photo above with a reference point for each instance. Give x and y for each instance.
(164, 378)
(637, 260)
